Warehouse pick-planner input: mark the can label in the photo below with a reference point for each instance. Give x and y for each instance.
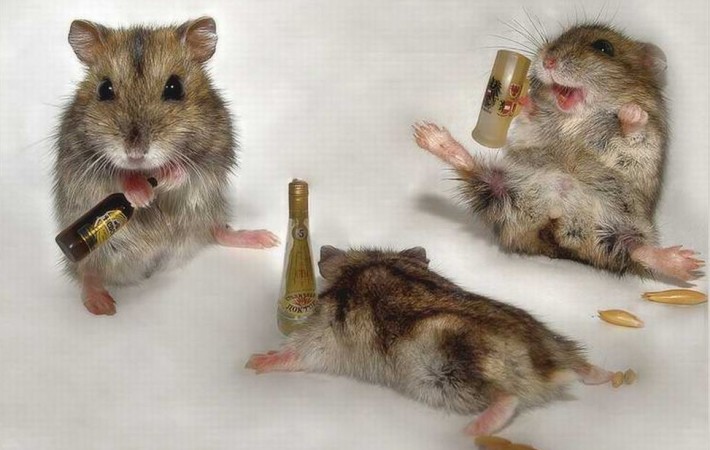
(103, 228)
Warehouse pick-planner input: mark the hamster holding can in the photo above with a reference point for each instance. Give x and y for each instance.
(581, 174)
(385, 318)
(147, 108)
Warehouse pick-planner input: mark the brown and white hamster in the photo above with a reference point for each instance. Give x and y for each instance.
(386, 318)
(146, 107)
(581, 174)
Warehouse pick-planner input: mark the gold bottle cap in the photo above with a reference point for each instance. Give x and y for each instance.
(298, 198)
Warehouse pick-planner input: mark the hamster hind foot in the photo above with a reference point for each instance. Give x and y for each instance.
(671, 261)
(227, 237)
(593, 375)
(96, 298)
(440, 143)
(285, 360)
(495, 417)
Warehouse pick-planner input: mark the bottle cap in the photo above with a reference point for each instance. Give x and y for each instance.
(298, 198)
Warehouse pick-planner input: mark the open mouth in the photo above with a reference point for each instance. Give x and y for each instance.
(567, 97)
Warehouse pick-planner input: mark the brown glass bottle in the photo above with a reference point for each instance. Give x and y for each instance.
(95, 227)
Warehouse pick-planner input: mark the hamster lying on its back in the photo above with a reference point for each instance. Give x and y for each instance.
(581, 174)
(385, 318)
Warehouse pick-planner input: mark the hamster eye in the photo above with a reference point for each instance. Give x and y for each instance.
(173, 89)
(603, 46)
(106, 90)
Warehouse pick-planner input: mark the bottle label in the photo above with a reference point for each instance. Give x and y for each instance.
(299, 296)
(103, 228)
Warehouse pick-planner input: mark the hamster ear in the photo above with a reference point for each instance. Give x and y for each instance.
(655, 60)
(331, 259)
(200, 37)
(86, 38)
(418, 253)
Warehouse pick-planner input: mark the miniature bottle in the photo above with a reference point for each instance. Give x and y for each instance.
(95, 227)
(298, 287)
(507, 85)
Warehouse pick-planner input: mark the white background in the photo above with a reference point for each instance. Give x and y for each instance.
(326, 91)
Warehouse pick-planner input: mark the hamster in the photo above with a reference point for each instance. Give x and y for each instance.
(581, 173)
(146, 107)
(385, 318)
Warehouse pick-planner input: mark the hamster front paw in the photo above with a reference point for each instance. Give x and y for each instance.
(172, 176)
(226, 236)
(137, 190)
(440, 143)
(274, 361)
(632, 119)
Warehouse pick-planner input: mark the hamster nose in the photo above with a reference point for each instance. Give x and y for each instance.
(136, 144)
(549, 62)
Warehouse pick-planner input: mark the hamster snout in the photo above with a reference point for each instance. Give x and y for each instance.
(591, 63)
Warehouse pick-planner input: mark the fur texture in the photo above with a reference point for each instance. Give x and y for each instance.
(385, 318)
(581, 174)
(122, 126)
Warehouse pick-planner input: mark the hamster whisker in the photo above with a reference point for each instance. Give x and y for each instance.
(526, 46)
(537, 25)
(523, 32)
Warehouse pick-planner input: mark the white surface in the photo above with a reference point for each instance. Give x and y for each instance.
(327, 91)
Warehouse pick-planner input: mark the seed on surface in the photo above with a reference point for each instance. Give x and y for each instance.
(621, 317)
(677, 297)
(629, 376)
(492, 443)
(618, 379)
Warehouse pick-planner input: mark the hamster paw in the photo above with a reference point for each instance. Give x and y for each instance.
(440, 143)
(593, 375)
(99, 302)
(495, 417)
(674, 261)
(632, 119)
(172, 176)
(228, 237)
(273, 361)
(137, 190)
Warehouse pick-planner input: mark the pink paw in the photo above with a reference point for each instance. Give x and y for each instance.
(593, 375)
(99, 302)
(674, 261)
(273, 361)
(137, 190)
(495, 417)
(172, 176)
(632, 118)
(245, 238)
(440, 143)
